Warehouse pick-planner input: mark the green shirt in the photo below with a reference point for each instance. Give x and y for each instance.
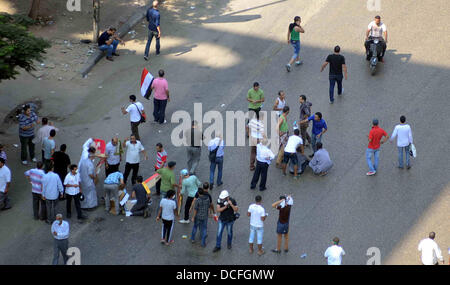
(295, 36)
(190, 186)
(167, 179)
(255, 95)
(284, 126)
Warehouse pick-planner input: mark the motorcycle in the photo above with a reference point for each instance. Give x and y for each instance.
(374, 54)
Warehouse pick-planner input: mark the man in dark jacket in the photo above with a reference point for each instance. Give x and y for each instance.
(154, 30)
(305, 112)
(61, 162)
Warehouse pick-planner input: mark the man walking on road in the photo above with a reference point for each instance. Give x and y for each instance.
(404, 140)
(60, 233)
(284, 206)
(160, 97)
(334, 253)
(154, 29)
(257, 216)
(5, 183)
(305, 112)
(194, 138)
(373, 150)
(430, 251)
(337, 65)
(35, 176)
(137, 115)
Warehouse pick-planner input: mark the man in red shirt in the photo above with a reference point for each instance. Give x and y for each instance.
(373, 150)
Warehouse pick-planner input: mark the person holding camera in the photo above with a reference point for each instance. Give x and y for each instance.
(227, 207)
(284, 206)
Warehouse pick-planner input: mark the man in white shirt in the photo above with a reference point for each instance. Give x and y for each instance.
(257, 216)
(44, 132)
(5, 183)
(60, 233)
(263, 158)
(136, 111)
(72, 182)
(376, 30)
(430, 251)
(404, 140)
(113, 157)
(334, 253)
(290, 151)
(256, 126)
(133, 150)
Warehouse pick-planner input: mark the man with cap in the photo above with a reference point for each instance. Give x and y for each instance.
(189, 187)
(227, 207)
(334, 253)
(373, 150)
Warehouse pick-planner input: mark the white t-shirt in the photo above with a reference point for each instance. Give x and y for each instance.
(132, 109)
(375, 30)
(292, 144)
(256, 212)
(168, 206)
(133, 151)
(72, 180)
(403, 134)
(5, 177)
(334, 255)
(256, 128)
(430, 252)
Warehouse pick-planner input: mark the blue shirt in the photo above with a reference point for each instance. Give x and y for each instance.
(317, 126)
(153, 19)
(51, 186)
(62, 231)
(25, 121)
(114, 178)
(47, 146)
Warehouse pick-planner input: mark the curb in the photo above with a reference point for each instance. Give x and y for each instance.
(122, 31)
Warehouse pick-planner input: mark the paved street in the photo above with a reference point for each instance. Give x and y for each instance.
(212, 54)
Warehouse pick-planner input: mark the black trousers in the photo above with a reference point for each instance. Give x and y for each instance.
(26, 142)
(381, 47)
(167, 229)
(261, 170)
(138, 209)
(111, 169)
(159, 110)
(187, 207)
(39, 208)
(76, 199)
(135, 129)
(128, 168)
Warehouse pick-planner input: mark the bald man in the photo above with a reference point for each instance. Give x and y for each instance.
(153, 28)
(113, 156)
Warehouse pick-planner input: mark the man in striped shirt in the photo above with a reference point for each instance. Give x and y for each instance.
(161, 159)
(27, 120)
(256, 126)
(35, 176)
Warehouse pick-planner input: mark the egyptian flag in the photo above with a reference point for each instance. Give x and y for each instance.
(146, 82)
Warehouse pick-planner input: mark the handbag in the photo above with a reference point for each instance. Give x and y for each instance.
(412, 150)
(143, 117)
(213, 153)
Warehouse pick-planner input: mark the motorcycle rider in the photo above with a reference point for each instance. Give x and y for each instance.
(376, 30)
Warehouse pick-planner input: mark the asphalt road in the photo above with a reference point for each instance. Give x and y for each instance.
(212, 55)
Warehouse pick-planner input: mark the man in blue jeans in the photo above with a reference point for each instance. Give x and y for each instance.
(200, 217)
(227, 207)
(108, 41)
(373, 150)
(216, 146)
(319, 127)
(154, 30)
(337, 65)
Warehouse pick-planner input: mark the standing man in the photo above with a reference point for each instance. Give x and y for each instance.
(60, 233)
(257, 216)
(167, 213)
(319, 127)
(255, 98)
(200, 217)
(161, 159)
(430, 251)
(48, 146)
(154, 29)
(27, 121)
(373, 150)
(280, 102)
(189, 187)
(44, 132)
(133, 149)
(337, 65)
(293, 38)
(305, 112)
(404, 139)
(108, 41)
(113, 156)
(5, 183)
(216, 147)
(194, 138)
(227, 207)
(52, 189)
(35, 177)
(290, 152)
(61, 162)
(160, 97)
(167, 178)
(256, 126)
(283, 134)
(88, 178)
(263, 158)
(284, 206)
(137, 115)
(334, 253)
(72, 182)
(139, 192)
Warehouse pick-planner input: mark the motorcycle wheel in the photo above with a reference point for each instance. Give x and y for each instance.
(372, 69)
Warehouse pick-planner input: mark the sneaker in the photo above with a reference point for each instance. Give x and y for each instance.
(165, 121)
(370, 173)
(300, 62)
(24, 162)
(216, 249)
(145, 57)
(211, 186)
(219, 184)
(342, 91)
(192, 241)
(263, 189)
(331, 102)
(288, 67)
(109, 58)
(34, 160)
(296, 177)
(276, 251)
(184, 221)
(286, 250)
(228, 246)
(163, 241)
(408, 167)
(158, 53)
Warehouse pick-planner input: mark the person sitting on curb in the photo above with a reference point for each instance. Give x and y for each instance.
(108, 41)
(321, 162)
